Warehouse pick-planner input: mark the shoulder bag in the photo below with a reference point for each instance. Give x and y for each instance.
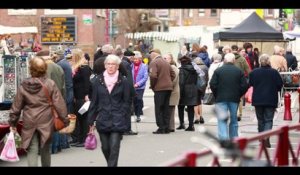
(58, 123)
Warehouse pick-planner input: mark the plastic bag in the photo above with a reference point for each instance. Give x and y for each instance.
(17, 137)
(90, 141)
(9, 152)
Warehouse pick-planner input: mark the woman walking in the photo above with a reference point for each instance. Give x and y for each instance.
(37, 119)
(109, 107)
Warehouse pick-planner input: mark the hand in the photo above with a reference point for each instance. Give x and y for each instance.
(136, 85)
(86, 98)
(92, 128)
(13, 129)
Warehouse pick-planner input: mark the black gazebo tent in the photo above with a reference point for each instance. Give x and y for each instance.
(252, 28)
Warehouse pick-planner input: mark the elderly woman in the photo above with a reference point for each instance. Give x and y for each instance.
(140, 77)
(174, 99)
(38, 122)
(266, 83)
(109, 107)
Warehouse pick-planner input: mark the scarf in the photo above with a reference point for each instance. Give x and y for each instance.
(110, 80)
(136, 69)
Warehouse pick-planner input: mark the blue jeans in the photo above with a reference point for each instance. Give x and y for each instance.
(222, 110)
(264, 117)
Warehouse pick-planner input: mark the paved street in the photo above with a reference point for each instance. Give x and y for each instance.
(147, 149)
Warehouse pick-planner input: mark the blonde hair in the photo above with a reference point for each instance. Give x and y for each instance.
(78, 58)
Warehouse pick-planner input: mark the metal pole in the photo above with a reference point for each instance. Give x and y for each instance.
(110, 25)
(107, 26)
(283, 147)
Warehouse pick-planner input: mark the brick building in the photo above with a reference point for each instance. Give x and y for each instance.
(89, 33)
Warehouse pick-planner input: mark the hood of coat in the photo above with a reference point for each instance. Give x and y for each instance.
(32, 85)
(237, 56)
(188, 67)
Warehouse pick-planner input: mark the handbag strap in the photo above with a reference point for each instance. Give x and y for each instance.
(46, 92)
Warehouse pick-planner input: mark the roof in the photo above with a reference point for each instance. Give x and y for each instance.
(252, 28)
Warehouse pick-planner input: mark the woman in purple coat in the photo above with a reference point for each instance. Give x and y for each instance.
(140, 77)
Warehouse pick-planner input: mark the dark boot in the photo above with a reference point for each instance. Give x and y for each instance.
(201, 120)
(267, 143)
(190, 128)
(181, 126)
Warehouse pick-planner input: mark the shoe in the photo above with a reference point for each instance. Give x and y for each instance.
(73, 141)
(201, 120)
(171, 130)
(138, 119)
(185, 109)
(130, 133)
(159, 131)
(79, 145)
(196, 121)
(181, 127)
(73, 144)
(190, 128)
(239, 118)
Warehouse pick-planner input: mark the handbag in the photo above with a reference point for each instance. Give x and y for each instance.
(90, 141)
(58, 123)
(70, 128)
(209, 99)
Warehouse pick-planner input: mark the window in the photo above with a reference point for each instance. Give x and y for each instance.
(21, 11)
(269, 12)
(213, 12)
(58, 12)
(201, 12)
(190, 13)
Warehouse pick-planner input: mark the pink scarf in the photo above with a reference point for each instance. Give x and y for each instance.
(110, 80)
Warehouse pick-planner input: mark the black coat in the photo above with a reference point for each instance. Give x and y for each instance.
(291, 60)
(187, 85)
(109, 110)
(228, 83)
(266, 83)
(81, 82)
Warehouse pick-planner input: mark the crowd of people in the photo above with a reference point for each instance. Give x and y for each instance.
(115, 87)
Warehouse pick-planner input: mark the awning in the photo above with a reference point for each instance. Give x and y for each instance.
(17, 30)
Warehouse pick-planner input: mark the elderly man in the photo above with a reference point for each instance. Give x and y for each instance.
(161, 77)
(266, 83)
(228, 84)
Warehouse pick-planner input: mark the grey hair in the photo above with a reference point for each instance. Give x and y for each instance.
(229, 58)
(113, 58)
(217, 57)
(137, 54)
(107, 48)
(264, 60)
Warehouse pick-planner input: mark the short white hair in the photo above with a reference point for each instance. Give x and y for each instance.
(217, 57)
(113, 58)
(229, 58)
(137, 54)
(264, 60)
(107, 48)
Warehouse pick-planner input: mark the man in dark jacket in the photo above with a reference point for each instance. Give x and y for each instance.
(161, 77)
(127, 65)
(228, 84)
(291, 59)
(266, 83)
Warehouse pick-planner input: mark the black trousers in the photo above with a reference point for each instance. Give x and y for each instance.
(190, 111)
(138, 102)
(81, 129)
(161, 101)
(110, 145)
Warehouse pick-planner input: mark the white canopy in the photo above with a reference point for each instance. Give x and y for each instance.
(17, 30)
(292, 34)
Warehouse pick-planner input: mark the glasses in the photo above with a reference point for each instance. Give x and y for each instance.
(111, 64)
